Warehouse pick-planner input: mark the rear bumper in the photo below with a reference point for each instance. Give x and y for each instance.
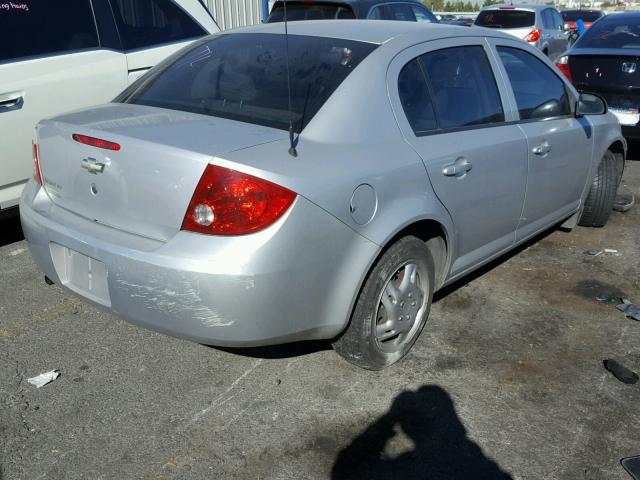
(296, 280)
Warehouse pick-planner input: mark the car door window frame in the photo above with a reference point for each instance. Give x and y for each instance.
(570, 91)
(162, 44)
(412, 53)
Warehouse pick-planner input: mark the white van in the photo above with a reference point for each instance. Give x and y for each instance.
(60, 55)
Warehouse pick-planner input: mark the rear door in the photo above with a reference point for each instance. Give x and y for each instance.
(559, 144)
(45, 70)
(151, 30)
(449, 108)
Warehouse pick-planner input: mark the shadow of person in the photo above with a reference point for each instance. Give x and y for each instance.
(441, 448)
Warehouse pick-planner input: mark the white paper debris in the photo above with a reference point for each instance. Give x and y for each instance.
(610, 250)
(44, 378)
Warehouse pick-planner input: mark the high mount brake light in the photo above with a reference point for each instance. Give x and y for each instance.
(96, 142)
(37, 174)
(563, 65)
(227, 202)
(533, 35)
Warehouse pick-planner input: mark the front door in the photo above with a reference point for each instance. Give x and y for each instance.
(559, 144)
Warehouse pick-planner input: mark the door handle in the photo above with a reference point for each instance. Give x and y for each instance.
(543, 149)
(11, 104)
(459, 168)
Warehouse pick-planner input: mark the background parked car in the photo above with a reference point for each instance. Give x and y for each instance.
(63, 55)
(178, 206)
(606, 60)
(570, 17)
(462, 22)
(404, 10)
(537, 24)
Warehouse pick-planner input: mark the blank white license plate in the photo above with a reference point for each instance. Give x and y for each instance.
(82, 274)
(626, 116)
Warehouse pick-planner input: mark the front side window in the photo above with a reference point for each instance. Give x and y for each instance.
(539, 92)
(144, 23)
(243, 77)
(463, 85)
(49, 27)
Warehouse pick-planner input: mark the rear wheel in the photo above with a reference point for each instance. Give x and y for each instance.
(392, 308)
(602, 195)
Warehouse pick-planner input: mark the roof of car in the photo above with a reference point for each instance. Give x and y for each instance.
(518, 6)
(378, 31)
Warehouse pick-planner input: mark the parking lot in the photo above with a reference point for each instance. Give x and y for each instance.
(505, 382)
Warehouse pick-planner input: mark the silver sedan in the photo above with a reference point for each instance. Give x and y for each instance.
(237, 196)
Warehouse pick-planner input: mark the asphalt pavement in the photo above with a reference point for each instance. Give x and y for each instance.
(506, 381)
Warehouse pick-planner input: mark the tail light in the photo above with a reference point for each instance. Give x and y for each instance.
(227, 202)
(96, 142)
(37, 174)
(563, 65)
(533, 35)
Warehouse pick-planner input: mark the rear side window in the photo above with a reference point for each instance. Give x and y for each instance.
(415, 98)
(539, 92)
(463, 85)
(143, 23)
(423, 15)
(505, 18)
(244, 77)
(49, 27)
(401, 11)
(303, 11)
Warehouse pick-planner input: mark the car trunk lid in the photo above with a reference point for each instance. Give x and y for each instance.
(605, 70)
(144, 187)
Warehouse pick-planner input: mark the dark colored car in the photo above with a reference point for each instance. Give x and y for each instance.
(404, 10)
(570, 17)
(605, 60)
(463, 22)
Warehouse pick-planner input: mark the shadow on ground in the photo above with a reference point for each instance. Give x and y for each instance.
(441, 448)
(10, 230)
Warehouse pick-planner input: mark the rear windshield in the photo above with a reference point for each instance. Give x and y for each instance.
(576, 15)
(297, 11)
(243, 77)
(505, 18)
(612, 32)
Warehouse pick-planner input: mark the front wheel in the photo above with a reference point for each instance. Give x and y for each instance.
(602, 195)
(392, 307)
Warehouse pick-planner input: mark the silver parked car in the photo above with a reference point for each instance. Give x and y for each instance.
(417, 153)
(538, 24)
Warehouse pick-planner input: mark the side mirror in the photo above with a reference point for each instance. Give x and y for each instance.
(589, 104)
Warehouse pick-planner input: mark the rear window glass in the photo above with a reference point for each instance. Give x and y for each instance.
(585, 16)
(244, 77)
(505, 18)
(31, 28)
(612, 32)
(311, 12)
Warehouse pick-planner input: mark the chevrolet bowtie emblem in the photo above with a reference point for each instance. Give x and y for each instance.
(91, 165)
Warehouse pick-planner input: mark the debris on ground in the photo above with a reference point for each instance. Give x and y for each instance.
(610, 250)
(632, 466)
(613, 299)
(631, 310)
(593, 253)
(621, 372)
(44, 378)
(624, 203)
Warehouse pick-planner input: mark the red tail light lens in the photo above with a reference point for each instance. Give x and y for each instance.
(227, 202)
(563, 65)
(96, 142)
(37, 174)
(533, 35)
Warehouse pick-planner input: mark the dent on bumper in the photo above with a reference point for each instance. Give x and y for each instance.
(296, 280)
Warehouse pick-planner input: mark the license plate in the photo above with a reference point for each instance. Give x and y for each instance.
(626, 116)
(82, 274)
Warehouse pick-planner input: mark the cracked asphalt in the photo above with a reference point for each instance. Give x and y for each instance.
(505, 382)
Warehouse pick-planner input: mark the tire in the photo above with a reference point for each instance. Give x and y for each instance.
(602, 195)
(373, 340)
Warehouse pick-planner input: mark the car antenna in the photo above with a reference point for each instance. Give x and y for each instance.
(292, 144)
